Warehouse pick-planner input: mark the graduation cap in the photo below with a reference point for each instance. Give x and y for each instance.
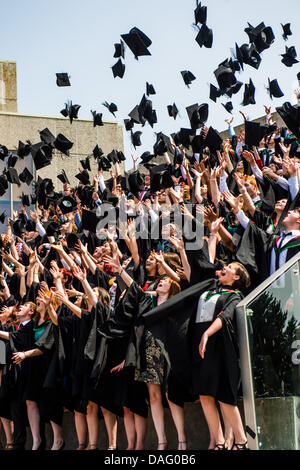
(253, 133)
(225, 78)
(72, 240)
(47, 137)
(188, 77)
(103, 164)
(63, 144)
(41, 154)
(172, 110)
(18, 227)
(136, 138)
(162, 144)
(25, 200)
(200, 14)
(274, 89)
(3, 182)
(160, 178)
(121, 156)
(52, 228)
(137, 41)
(12, 160)
(97, 118)
(86, 164)
(119, 50)
(213, 140)
(112, 107)
(198, 115)
(290, 116)
(46, 187)
(26, 176)
(2, 217)
(71, 110)
(239, 56)
(62, 79)
(146, 157)
(150, 89)
(67, 204)
(205, 37)
(113, 156)
(23, 149)
(3, 152)
(198, 143)
(135, 182)
(249, 94)
(83, 177)
(184, 137)
(63, 177)
(250, 55)
(118, 69)
(33, 198)
(129, 123)
(214, 93)
(97, 152)
(289, 58)
(228, 106)
(261, 36)
(89, 220)
(286, 30)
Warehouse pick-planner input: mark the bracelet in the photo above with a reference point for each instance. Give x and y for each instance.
(213, 234)
(243, 190)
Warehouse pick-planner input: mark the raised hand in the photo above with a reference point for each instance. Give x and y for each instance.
(179, 244)
(285, 150)
(234, 202)
(80, 274)
(215, 226)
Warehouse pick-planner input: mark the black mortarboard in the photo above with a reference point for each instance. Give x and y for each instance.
(214, 93)
(172, 110)
(290, 116)
(184, 137)
(129, 123)
(198, 143)
(121, 156)
(162, 144)
(188, 77)
(63, 144)
(239, 56)
(228, 106)
(136, 138)
(97, 152)
(72, 240)
(249, 94)
(89, 220)
(205, 37)
(67, 204)
(47, 137)
(30, 226)
(160, 178)
(146, 157)
(46, 187)
(289, 58)
(135, 182)
(97, 118)
(253, 133)
(63, 177)
(62, 79)
(274, 89)
(12, 176)
(234, 89)
(286, 30)
(33, 198)
(12, 160)
(83, 177)
(113, 156)
(119, 50)
(18, 227)
(298, 76)
(118, 69)
(137, 41)
(261, 36)
(86, 164)
(150, 89)
(213, 140)
(23, 149)
(225, 78)
(71, 110)
(3, 152)
(52, 228)
(26, 176)
(112, 107)
(3, 182)
(200, 14)
(103, 164)
(198, 115)
(234, 65)
(25, 200)
(135, 116)
(2, 217)
(250, 55)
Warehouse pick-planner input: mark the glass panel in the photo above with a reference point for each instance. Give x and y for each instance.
(274, 338)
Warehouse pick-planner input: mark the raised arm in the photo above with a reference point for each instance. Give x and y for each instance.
(81, 275)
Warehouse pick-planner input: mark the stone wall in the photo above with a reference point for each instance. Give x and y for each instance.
(8, 86)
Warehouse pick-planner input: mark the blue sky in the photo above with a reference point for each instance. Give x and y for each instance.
(75, 36)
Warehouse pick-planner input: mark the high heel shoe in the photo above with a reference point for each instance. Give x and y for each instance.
(92, 447)
(240, 446)
(81, 447)
(221, 446)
